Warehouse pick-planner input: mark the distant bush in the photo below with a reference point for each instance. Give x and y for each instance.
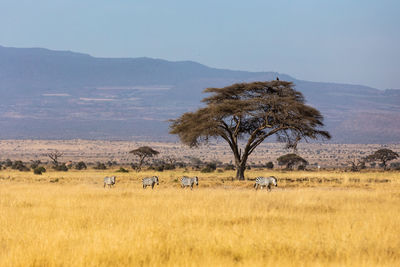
(81, 165)
(395, 166)
(8, 163)
(159, 168)
(169, 166)
(61, 168)
(122, 170)
(220, 170)
(19, 165)
(210, 167)
(270, 165)
(301, 167)
(39, 170)
(100, 166)
(35, 164)
(111, 163)
(229, 167)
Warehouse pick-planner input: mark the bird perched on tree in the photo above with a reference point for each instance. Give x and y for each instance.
(277, 78)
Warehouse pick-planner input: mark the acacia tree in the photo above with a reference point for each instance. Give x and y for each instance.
(383, 155)
(143, 153)
(290, 160)
(250, 112)
(54, 156)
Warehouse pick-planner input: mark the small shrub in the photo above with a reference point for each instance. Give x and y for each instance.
(229, 167)
(270, 165)
(206, 170)
(210, 167)
(100, 166)
(159, 168)
(169, 166)
(81, 165)
(56, 180)
(19, 165)
(62, 168)
(39, 170)
(8, 163)
(301, 167)
(35, 164)
(220, 170)
(122, 170)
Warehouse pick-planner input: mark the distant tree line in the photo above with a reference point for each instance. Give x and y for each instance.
(288, 162)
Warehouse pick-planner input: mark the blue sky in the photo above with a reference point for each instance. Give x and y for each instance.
(354, 42)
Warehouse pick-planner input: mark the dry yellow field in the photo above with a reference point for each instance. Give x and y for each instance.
(320, 219)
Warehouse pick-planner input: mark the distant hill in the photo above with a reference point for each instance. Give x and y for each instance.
(62, 95)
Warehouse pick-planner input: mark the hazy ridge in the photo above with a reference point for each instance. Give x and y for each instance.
(62, 95)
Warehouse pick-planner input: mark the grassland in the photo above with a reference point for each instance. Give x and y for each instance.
(311, 219)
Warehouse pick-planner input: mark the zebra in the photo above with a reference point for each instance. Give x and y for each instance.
(110, 181)
(189, 181)
(265, 182)
(150, 181)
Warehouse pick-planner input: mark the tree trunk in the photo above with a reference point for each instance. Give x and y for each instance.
(240, 173)
(240, 168)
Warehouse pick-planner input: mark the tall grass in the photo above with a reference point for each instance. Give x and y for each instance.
(76, 222)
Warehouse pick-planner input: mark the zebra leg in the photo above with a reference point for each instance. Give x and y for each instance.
(255, 186)
(269, 187)
(104, 185)
(152, 186)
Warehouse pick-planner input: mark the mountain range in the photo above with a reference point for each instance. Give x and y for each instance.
(49, 94)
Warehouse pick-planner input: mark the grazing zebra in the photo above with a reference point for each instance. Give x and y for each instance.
(110, 181)
(265, 182)
(189, 181)
(150, 181)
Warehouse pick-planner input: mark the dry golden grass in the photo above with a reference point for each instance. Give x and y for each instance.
(76, 222)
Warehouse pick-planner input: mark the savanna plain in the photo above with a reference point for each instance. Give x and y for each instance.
(325, 218)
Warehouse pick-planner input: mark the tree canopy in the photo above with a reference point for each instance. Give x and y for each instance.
(290, 160)
(251, 112)
(143, 153)
(383, 155)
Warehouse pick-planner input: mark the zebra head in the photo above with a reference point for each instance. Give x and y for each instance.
(156, 179)
(113, 180)
(196, 180)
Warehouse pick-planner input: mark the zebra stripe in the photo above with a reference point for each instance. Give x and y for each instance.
(110, 181)
(265, 182)
(150, 181)
(189, 181)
